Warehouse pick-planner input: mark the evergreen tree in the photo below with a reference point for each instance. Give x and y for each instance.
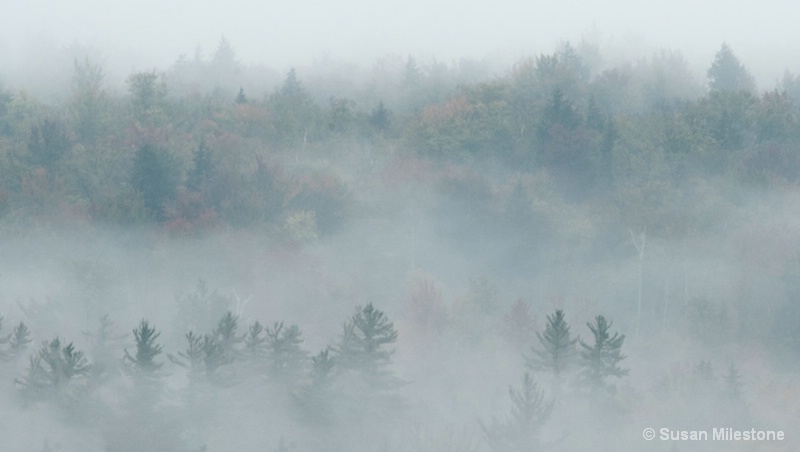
(364, 340)
(287, 358)
(557, 352)
(381, 117)
(728, 74)
(147, 350)
(599, 361)
(521, 430)
(314, 397)
(48, 144)
(105, 347)
(255, 341)
(225, 334)
(202, 171)
(53, 371)
(294, 111)
(19, 338)
(148, 92)
(192, 357)
(154, 178)
(241, 98)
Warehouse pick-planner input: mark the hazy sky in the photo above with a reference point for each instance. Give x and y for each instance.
(154, 32)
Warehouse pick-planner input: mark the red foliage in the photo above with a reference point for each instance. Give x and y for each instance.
(455, 107)
(190, 214)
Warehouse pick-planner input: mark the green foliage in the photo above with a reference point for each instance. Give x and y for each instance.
(255, 341)
(55, 372)
(287, 358)
(294, 112)
(148, 97)
(202, 309)
(600, 360)
(225, 333)
(381, 117)
(48, 144)
(520, 431)
(315, 398)
(364, 341)
(557, 351)
(89, 103)
(155, 178)
(728, 74)
(19, 339)
(203, 169)
(147, 349)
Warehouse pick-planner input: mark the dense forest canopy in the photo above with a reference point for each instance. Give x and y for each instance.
(571, 244)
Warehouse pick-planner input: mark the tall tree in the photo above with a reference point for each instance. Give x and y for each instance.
(294, 111)
(728, 74)
(557, 353)
(155, 178)
(364, 342)
(53, 372)
(88, 99)
(521, 430)
(600, 360)
(287, 358)
(147, 349)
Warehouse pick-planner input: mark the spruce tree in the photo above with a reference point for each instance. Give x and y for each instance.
(364, 340)
(192, 357)
(521, 429)
(287, 358)
(557, 353)
(600, 361)
(255, 341)
(147, 350)
(52, 371)
(225, 334)
(19, 339)
(314, 399)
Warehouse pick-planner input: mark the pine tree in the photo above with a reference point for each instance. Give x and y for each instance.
(520, 430)
(255, 341)
(287, 358)
(557, 353)
(192, 357)
(203, 169)
(600, 360)
(146, 350)
(19, 339)
(225, 334)
(364, 340)
(314, 399)
(105, 347)
(155, 178)
(728, 74)
(52, 371)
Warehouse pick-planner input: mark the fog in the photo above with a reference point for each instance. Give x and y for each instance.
(147, 34)
(399, 226)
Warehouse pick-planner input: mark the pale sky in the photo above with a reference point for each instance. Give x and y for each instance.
(281, 34)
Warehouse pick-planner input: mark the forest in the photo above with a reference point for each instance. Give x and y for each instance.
(415, 256)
